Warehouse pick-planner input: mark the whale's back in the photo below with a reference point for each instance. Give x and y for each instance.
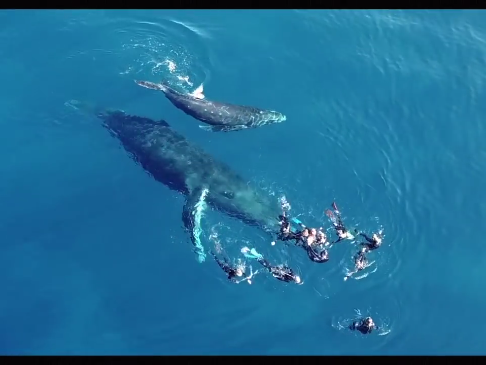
(167, 155)
(219, 113)
(221, 116)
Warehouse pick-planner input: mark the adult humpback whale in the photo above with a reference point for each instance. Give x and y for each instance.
(221, 117)
(168, 157)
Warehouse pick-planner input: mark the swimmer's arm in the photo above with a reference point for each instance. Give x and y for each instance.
(370, 240)
(311, 249)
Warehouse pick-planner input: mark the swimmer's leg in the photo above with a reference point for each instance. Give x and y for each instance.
(265, 263)
(367, 247)
(339, 226)
(221, 263)
(226, 259)
(334, 207)
(338, 214)
(370, 240)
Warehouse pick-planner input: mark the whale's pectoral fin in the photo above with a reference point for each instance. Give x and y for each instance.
(222, 128)
(150, 85)
(191, 216)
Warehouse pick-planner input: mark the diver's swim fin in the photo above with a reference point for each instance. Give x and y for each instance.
(251, 253)
(297, 221)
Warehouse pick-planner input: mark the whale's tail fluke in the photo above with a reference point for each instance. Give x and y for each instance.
(151, 85)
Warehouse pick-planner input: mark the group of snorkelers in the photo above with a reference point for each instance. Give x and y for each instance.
(237, 274)
(314, 241)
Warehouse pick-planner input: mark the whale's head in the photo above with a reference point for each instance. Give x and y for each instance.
(270, 117)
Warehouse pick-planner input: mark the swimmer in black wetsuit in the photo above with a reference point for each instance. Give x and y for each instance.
(281, 272)
(233, 272)
(317, 255)
(313, 242)
(321, 238)
(285, 233)
(341, 230)
(302, 236)
(360, 263)
(364, 325)
(373, 243)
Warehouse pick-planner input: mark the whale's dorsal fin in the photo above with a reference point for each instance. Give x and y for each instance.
(199, 92)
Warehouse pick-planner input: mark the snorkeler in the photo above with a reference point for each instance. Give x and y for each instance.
(309, 236)
(317, 255)
(364, 325)
(360, 263)
(232, 271)
(313, 237)
(336, 220)
(321, 238)
(280, 272)
(373, 243)
(285, 233)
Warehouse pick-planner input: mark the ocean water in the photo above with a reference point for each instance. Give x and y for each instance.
(385, 115)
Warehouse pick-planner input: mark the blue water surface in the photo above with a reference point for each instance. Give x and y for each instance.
(385, 114)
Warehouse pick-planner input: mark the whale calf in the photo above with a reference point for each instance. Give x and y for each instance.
(221, 117)
(184, 167)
